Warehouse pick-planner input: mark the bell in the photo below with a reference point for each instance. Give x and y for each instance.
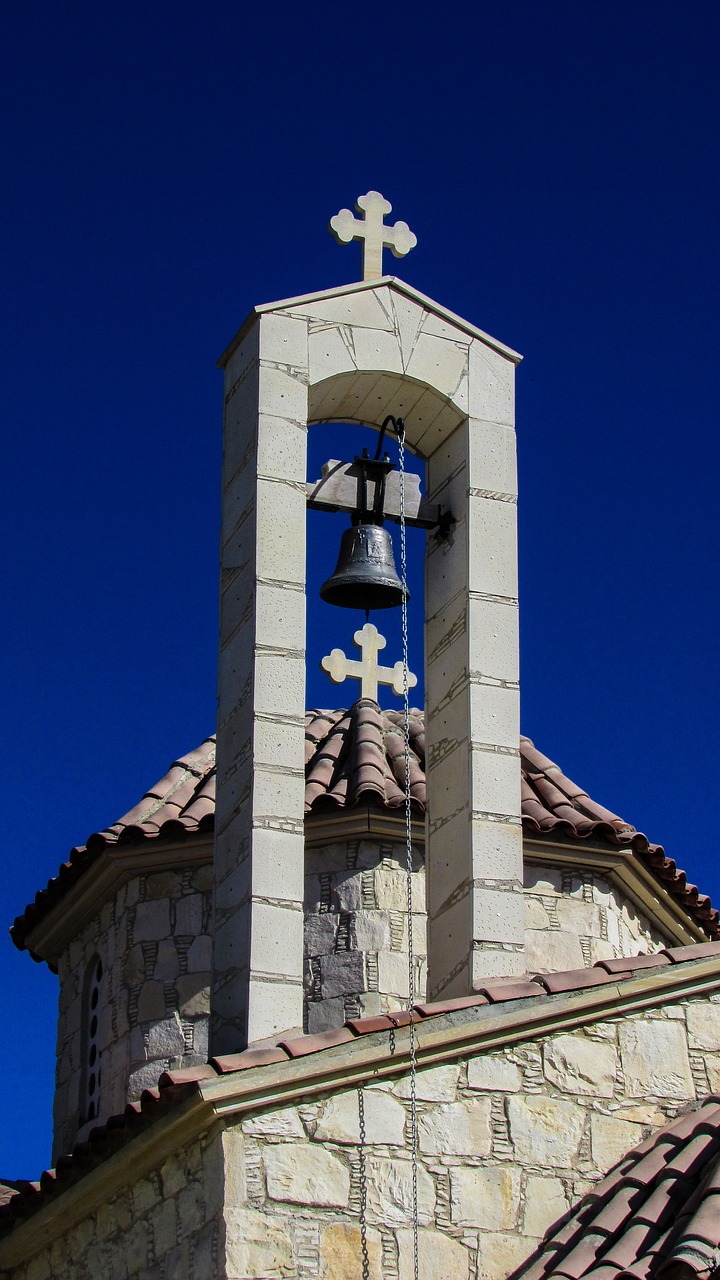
(365, 576)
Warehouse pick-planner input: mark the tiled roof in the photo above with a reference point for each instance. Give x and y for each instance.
(175, 1086)
(656, 1214)
(353, 756)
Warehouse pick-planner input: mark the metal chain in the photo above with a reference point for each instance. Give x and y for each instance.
(363, 1190)
(409, 857)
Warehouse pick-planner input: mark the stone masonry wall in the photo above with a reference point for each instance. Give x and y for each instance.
(153, 939)
(168, 1226)
(573, 918)
(356, 930)
(508, 1142)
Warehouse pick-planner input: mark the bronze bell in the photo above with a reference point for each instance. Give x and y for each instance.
(365, 576)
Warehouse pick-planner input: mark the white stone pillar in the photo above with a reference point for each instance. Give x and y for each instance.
(259, 845)
(474, 843)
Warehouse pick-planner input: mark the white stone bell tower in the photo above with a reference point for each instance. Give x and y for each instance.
(353, 355)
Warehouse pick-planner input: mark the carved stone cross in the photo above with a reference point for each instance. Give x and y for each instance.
(369, 642)
(373, 233)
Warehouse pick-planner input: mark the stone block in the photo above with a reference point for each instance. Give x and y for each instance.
(370, 930)
(611, 1139)
(703, 1024)
(191, 1207)
(390, 1192)
(545, 1203)
(579, 1065)
(163, 884)
(152, 921)
(167, 964)
(320, 933)
(341, 1247)
(342, 973)
(485, 1197)
(257, 1244)
(433, 1084)
(545, 1131)
(234, 1185)
(494, 1074)
(456, 1129)
(199, 956)
(498, 915)
(577, 916)
(492, 391)
(189, 915)
(151, 1002)
(306, 1175)
(282, 1123)
(552, 950)
(339, 1119)
(536, 916)
(377, 349)
(496, 712)
(655, 1059)
(193, 993)
(165, 1039)
(439, 1256)
(347, 891)
(277, 940)
(542, 880)
(325, 1015)
(492, 531)
(499, 1254)
(393, 973)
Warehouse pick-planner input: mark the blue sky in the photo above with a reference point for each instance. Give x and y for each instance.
(168, 166)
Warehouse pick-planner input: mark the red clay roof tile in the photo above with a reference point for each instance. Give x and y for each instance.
(350, 757)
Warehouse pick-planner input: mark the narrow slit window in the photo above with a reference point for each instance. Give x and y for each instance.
(90, 1087)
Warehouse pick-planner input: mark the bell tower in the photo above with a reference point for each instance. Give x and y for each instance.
(357, 354)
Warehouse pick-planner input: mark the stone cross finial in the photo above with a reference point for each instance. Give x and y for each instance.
(373, 232)
(369, 642)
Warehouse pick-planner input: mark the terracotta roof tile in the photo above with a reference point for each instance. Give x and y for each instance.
(640, 1191)
(352, 757)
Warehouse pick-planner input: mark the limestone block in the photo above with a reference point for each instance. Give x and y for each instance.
(325, 1015)
(257, 1244)
(579, 1065)
(498, 915)
(433, 1084)
(306, 1175)
(611, 1139)
(165, 1039)
(703, 1024)
(492, 385)
(712, 1066)
(655, 1059)
(601, 950)
(545, 1131)
(492, 532)
(283, 339)
(499, 1254)
(495, 781)
(329, 353)
(193, 992)
(390, 1194)
(151, 1002)
(152, 921)
(283, 1123)
(202, 879)
(494, 1073)
(347, 891)
(545, 1202)
(201, 1035)
(370, 930)
(342, 973)
(199, 956)
(339, 1119)
(282, 395)
(485, 1197)
(552, 950)
(359, 310)
(189, 915)
(276, 939)
(497, 710)
(457, 1129)
(320, 933)
(439, 1256)
(438, 362)
(544, 880)
(341, 1247)
(498, 849)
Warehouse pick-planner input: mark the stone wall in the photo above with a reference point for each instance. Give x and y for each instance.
(575, 917)
(356, 930)
(508, 1142)
(168, 1226)
(153, 939)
